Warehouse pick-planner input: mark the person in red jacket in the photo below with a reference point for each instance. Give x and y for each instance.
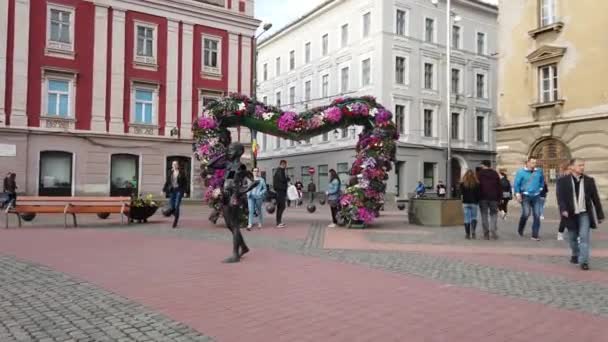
(491, 194)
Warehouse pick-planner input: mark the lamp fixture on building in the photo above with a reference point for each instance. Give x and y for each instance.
(174, 131)
(336, 134)
(353, 132)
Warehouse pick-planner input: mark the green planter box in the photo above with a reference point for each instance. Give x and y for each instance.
(435, 212)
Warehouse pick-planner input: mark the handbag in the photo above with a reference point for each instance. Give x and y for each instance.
(506, 195)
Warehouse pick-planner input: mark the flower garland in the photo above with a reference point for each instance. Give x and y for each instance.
(375, 149)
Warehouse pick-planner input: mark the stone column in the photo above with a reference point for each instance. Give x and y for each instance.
(118, 71)
(3, 39)
(100, 64)
(172, 73)
(187, 58)
(233, 61)
(20, 63)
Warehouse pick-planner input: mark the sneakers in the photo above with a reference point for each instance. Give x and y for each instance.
(534, 239)
(249, 227)
(585, 267)
(574, 260)
(259, 226)
(542, 217)
(332, 225)
(560, 236)
(281, 225)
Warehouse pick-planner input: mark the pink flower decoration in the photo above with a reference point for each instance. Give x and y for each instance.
(333, 114)
(288, 121)
(365, 215)
(207, 122)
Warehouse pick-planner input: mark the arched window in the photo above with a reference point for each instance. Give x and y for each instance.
(551, 155)
(124, 175)
(55, 177)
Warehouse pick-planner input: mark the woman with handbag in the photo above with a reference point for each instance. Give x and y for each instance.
(176, 186)
(333, 196)
(507, 193)
(255, 199)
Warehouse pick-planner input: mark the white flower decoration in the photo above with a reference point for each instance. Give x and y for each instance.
(267, 116)
(373, 112)
(242, 106)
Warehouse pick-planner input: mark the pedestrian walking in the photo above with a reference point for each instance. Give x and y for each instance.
(579, 204)
(312, 189)
(176, 186)
(528, 184)
(9, 187)
(543, 200)
(470, 194)
(300, 188)
(333, 196)
(441, 189)
(292, 195)
(564, 172)
(491, 194)
(255, 199)
(507, 193)
(279, 183)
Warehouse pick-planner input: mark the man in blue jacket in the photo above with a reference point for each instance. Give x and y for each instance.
(529, 183)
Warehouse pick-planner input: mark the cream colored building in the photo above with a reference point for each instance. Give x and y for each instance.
(552, 91)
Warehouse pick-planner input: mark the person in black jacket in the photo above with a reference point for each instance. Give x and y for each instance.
(9, 186)
(176, 186)
(280, 182)
(469, 190)
(579, 204)
(491, 194)
(507, 193)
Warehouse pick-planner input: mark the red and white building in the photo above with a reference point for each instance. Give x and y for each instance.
(96, 94)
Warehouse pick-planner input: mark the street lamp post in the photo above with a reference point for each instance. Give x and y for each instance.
(254, 91)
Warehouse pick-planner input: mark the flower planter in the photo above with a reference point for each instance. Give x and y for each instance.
(356, 225)
(142, 213)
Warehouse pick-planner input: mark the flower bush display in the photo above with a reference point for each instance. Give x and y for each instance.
(375, 149)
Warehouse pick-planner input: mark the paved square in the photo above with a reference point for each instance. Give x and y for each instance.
(392, 282)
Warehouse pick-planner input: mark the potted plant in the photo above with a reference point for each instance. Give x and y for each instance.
(142, 207)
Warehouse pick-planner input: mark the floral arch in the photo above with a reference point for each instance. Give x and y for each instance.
(375, 149)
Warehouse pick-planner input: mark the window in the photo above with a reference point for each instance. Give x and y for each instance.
(455, 126)
(124, 174)
(480, 86)
(547, 12)
(292, 143)
(265, 71)
(278, 66)
(344, 79)
(61, 28)
(548, 83)
(144, 106)
(145, 44)
(429, 175)
(480, 127)
(344, 35)
(305, 176)
(325, 137)
(265, 99)
(292, 95)
(344, 133)
(481, 43)
(277, 143)
(325, 86)
(455, 81)
(429, 30)
(278, 99)
(323, 177)
(292, 60)
(264, 142)
(208, 96)
(342, 170)
(428, 76)
(307, 53)
(307, 90)
(367, 17)
(400, 70)
(324, 45)
(211, 55)
(400, 24)
(58, 98)
(366, 72)
(428, 122)
(456, 37)
(55, 178)
(399, 118)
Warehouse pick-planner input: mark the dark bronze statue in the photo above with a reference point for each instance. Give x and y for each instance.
(236, 186)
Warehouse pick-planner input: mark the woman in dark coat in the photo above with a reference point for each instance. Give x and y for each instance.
(176, 186)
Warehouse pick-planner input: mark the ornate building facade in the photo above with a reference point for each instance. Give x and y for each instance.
(100, 95)
(553, 103)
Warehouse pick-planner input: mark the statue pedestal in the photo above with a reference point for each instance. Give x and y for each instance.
(435, 212)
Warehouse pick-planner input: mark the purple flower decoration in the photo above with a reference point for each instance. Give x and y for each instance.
(207, 122)
(259, 110)
(365, 215)
(383, 116)
(288, 121)
(359, 109)
(333, 114)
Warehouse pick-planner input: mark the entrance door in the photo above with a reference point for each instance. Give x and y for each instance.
(551, 154)
(124, 175)
(185, 163)
(55, 177)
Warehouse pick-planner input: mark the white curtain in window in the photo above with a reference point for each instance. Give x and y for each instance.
(124, 169)
(56, 169)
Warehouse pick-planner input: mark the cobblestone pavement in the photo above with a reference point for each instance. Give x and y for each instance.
(39, 304)
(296, 288)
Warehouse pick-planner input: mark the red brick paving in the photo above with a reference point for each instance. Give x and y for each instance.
(273, 296)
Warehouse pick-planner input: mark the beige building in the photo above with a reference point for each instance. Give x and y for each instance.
(552, 95)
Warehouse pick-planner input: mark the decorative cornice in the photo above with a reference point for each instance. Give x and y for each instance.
(557, 27)
(546, 52)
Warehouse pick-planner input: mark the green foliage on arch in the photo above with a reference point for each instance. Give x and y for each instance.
(375, 149)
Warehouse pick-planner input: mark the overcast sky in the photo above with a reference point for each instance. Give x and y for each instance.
(282, 12)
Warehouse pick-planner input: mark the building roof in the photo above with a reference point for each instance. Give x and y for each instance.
(328, 2)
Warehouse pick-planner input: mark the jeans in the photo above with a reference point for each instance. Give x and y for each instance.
(281, 198)
(334, 214)
(530, 205)
(489, 225)
(581, 249)
(255, 206)
(542, 206)
(175, 198)
(11, 198)
(470, 212)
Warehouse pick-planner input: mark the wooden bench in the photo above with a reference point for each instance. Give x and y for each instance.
(69, 206)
